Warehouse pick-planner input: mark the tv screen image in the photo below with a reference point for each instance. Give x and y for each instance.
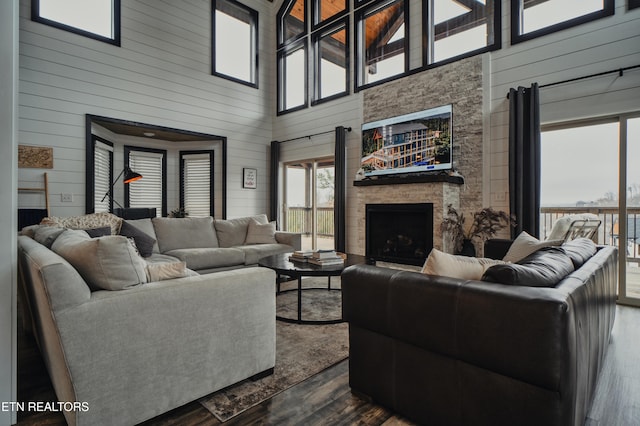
(416, 142)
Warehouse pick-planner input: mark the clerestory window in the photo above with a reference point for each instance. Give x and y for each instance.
(381, 42)
(235, 42)
(458, 28)
(534, 18)
(97, 19)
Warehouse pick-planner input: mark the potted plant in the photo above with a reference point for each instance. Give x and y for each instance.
(485, 224)
(179, 212)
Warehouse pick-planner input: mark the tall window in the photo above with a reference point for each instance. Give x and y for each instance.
(381, 41)
(533, 18)
(456, 28)
(235, 42)
(151, 190)
(103, 174)
(331, 48)
(196, 183)
(97, 19)
(327, 34)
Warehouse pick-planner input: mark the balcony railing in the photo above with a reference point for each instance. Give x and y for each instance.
(300, 219)
(607, 233)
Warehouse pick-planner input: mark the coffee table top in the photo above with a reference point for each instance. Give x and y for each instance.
(281, 264)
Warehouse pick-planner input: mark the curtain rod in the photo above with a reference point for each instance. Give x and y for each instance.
(348, 129)
(620, 72)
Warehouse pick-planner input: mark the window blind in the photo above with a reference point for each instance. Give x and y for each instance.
(196, 181)
(146, 192)
(102, 173)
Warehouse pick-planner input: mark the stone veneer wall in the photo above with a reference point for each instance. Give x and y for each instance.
(459, 84)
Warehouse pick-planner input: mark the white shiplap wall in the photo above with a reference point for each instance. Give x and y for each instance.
(603, 45)
(160, 75)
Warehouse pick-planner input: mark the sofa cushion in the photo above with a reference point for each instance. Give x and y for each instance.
(233, 232)
(107, 263)
(185, 232)
(146, 226)
(579, 250)
(524, 245)
(544, 268)
(462, 267)
(207, 258)
(46, 235)
(253, 253)
(258, 233)
(144, 242)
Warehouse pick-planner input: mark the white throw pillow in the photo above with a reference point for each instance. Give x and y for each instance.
(526, 244)
(166, 271)
(258, 233)
(462, 267)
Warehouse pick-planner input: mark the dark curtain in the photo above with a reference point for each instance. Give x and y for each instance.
(340, 201)
(274, 170)
(524, 159)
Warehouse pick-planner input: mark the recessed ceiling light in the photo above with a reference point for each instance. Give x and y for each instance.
(149, 134)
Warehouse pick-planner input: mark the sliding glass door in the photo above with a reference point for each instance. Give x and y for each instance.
(594, 167)
(309, 196)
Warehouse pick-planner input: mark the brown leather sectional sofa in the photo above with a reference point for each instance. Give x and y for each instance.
(444, 351)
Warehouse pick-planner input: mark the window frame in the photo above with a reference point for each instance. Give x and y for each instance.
(429, 37)
(127, 152)
(282, 93)
(254, 48)
(116, 20)
(359, 17)
(181, 159)
(317, 22)
(517, 7)
(317, 37)
(284, 11)
(93, 156)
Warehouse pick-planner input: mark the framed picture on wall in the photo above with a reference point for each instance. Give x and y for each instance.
(249, 178)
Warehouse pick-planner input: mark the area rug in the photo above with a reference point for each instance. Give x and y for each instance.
(301, 352)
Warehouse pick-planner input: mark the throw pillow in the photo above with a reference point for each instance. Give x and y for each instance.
(105, 263)
(543, 268)
(526, 244)
(462, 267)
(233, 232)
(144, 243)
(579, 250)
(98, 232)
(166, 271)
(87, 221)
(258, 233)
(46, 235)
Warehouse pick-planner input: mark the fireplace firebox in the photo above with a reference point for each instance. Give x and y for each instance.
(399, 233)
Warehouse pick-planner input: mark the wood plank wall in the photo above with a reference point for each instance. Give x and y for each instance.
(160, 76)
(602, 45)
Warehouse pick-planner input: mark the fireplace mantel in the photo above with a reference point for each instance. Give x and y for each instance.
(405, 179)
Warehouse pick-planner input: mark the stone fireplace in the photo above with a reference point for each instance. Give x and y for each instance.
(399, 233)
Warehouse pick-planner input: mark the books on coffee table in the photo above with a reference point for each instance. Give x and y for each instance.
(318, 257)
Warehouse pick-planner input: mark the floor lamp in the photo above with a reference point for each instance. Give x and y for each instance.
(129, 176)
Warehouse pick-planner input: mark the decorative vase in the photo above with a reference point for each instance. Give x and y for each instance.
(468, 249)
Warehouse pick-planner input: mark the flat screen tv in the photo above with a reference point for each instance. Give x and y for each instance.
(410, 143)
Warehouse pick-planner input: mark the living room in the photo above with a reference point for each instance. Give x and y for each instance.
(160, 74)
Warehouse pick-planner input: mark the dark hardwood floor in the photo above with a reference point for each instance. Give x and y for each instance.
(326, 399)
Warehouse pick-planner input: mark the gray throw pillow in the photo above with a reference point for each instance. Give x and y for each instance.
(98, 232)
(46, 235)
(144, 242)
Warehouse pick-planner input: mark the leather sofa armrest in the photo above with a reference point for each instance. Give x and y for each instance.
(293, 239)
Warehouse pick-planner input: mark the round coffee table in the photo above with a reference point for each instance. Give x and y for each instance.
(281, 264)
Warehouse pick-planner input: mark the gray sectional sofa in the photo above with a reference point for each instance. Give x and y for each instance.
(139, 349)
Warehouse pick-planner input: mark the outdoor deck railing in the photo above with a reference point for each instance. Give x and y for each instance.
(608, 231)
(300, 219)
